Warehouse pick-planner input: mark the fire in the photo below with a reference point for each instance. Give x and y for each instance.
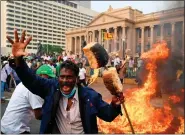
(174, 99)
(94, 76)
(144, 116)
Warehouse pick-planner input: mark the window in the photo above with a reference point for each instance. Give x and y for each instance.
(23, 22)
(17, 21)
(158, 31)
(8, 28)
(24, 18)
(30, 7)
(138, 48)
(17, 12)
(168, 31)
(10, 10)
(29, 27)
(10, 19)
(29, 19)
(17, 25)
(149, 31)
(9, 15)
(29, 47)
(139, 32)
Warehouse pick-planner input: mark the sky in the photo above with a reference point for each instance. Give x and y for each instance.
(144, 6)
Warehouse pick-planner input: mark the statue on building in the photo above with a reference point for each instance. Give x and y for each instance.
(110, 8)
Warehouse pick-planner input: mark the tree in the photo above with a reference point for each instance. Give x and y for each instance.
(47, 48)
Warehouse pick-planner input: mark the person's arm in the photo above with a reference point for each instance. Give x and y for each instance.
(34, 83)
(38, 113)
(36, 104)
(107, 112)
(84, 73)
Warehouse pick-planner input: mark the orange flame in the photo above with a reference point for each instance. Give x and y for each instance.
(144, 116)
(174, 99)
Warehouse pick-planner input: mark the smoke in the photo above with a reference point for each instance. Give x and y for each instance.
(171, 4)
(167, 71)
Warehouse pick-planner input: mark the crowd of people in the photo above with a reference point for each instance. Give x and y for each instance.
(128, 67)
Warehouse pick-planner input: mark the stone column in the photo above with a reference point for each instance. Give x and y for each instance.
(162, 32)
(134, 41)
(107, 42)
(85, 38)
(123, 40)
(80, 45)
(173, 35)
(183, 36)
(75, 44)
(151, 35)
(142, 39)
(115, 39)
(92, 36)
(71, 40)
(129, 39)
(99, 37)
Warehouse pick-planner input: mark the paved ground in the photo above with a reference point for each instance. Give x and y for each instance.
(98, 86)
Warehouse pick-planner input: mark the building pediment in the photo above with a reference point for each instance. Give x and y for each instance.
(104, 18)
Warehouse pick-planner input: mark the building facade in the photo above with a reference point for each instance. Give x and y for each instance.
(134, 32)
(86, 4)
(46, 21)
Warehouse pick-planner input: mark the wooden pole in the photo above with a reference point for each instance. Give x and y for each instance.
(128, 118)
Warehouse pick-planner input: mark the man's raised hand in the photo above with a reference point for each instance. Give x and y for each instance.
(19, 45)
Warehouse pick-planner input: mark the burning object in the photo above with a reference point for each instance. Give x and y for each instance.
(96, 55)
(112, 81)
(113, 84)
(145, 117)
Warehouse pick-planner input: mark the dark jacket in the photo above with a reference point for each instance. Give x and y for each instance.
(91, 103)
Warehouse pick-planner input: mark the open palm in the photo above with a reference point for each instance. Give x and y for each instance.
(19, 45)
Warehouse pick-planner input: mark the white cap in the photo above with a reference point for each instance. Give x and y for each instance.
(4, 62)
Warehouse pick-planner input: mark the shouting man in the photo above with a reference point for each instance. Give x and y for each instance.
(68, 107)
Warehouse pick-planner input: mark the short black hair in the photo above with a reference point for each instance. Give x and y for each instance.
(70, 65)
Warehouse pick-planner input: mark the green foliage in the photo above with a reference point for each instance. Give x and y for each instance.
(47, 48)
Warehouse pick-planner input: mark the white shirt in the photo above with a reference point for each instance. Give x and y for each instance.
(139, 63)
(19, 111)
(29, 64)
(69, 122)
(131, 63)
(65, 58)
(116, 61)
(82, 73)
(3, 72)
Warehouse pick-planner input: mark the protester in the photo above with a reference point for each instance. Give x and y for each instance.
(65, 57)
(130, 67)
(122, 71)
(68, 108)
(21, 106)
(116, 60)
(5, 72)
(82, 74)
(60, 61)
(77, 59)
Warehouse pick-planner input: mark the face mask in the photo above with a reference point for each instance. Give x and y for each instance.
(70, 94)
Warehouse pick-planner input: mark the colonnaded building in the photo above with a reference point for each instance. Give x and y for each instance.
(133, 32)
